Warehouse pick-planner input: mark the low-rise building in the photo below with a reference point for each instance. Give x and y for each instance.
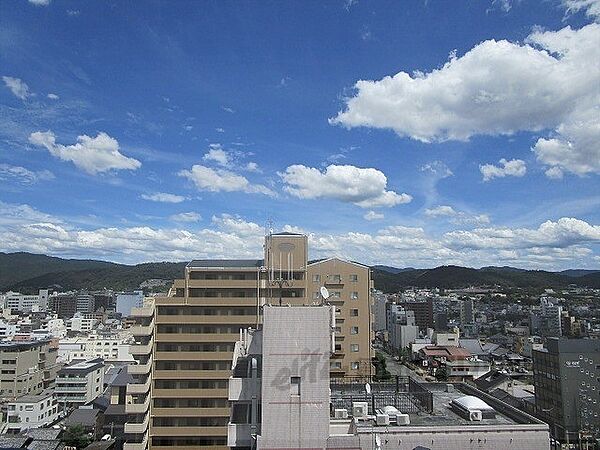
(32, 411)
(80, 382)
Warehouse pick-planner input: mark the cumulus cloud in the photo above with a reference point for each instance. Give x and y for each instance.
(512, 168)
(372, 215)
(92, 154)
(186, 217)
(217, 180)
(365, 187)
(457, 217)
(552, 245)
(437, 168)
(53, 96)
(23, 175)
(40, 2)
(565, 232)
(18, 87)
(219, 155)
(163, 197)
(550, 82)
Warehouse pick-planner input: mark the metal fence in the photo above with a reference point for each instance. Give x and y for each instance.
(404, 393)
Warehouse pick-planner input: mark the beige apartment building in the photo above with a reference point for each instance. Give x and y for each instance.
(26, 368)
(185, 341)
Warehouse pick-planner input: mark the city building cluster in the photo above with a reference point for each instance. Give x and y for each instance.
(286, 352)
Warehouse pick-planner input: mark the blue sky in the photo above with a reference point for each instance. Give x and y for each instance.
(402, 133)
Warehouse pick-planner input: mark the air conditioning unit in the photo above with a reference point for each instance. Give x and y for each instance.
(392, 412)
(402, 419)
(475, 416)
(340, 413)
(360, 409)
(382, 419)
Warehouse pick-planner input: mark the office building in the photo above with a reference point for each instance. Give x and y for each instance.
(63, 304)
(402, 328)
(423, 309)
(26, 303)
(567, 384)
(128, 300)
(26, 367)
(379, 311)
(85, 303)
(80, 382)
(32, 411)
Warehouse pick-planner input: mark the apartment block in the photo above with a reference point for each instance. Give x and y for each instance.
(26, 367)
(138, 392)
(80, 382)
(190, 336)
(32, 411)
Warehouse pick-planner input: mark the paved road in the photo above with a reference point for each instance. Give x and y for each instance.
(396, 368)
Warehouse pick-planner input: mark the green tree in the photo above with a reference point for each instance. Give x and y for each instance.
(75, 436)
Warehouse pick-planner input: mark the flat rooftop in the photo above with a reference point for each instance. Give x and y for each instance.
(427, 404)
(225, 263)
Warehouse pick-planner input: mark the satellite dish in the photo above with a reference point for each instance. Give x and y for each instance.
(368, 388)
(324, 293)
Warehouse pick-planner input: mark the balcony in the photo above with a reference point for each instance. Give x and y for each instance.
(141, 349)
(67, 389)
(138, 408)
(140, 369)
(239, 435)
(136, 445)
(243, 388)
(142, 330)
(134, 388)
(146, 311)
(137, 428)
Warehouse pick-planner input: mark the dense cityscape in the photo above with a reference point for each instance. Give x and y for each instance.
(299, 225)
(130, 369)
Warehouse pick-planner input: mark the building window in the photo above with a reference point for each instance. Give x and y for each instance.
(354, 278)
(316, 295)
(355, 365)
(354, 330)
(316, 278)
(353, 347)
(335, 365)
(354, 295)
(295, 386)
(354, 312)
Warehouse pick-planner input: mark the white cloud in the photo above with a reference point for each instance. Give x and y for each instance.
(18, 87)
(23, 175)
(591, 7)
(163, 197)
(219, 155)
(253, 167)
(186, 217)
(372, 215)
(438, 211)
(563, 233)
(553, 245)
(53, 96)
(40, 2)
(457, 217)
(499, 88)
(554, 173)
(217, 180)
(91, 154)
(220, 130)
(512, 168)
(438, 169)
(363, 187)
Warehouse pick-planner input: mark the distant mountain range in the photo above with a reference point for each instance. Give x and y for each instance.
(28, 272)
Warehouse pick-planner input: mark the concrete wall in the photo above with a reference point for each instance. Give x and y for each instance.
(296, 343)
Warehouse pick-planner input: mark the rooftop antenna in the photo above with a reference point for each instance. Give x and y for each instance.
(324, 293)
